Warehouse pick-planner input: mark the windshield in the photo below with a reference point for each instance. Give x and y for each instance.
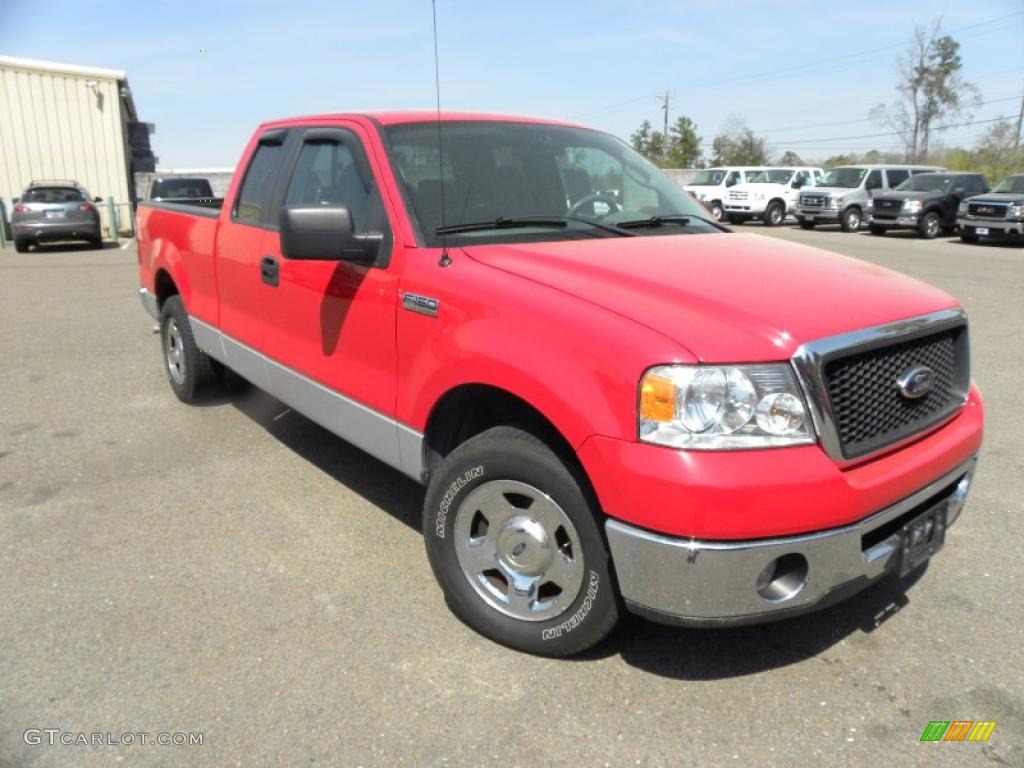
(709, 178)
(771, 176)
(182, 188)
(505, 171)
(1012, 184)
(926, 182)
(849, 178)
(53, 195)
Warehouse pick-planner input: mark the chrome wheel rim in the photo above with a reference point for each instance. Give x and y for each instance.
(775, 216)
(852, 221)
(931, 226)
(174, 351)
(518, 550)
(717, 212)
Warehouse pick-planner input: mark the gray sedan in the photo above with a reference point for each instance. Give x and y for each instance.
(55, 211)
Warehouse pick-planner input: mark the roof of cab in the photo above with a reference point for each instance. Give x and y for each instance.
(399, 117)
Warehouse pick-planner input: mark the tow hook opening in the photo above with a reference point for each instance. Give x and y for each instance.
(783, 578)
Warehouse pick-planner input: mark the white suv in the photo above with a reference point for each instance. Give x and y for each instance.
(711, 185)
(769, 194)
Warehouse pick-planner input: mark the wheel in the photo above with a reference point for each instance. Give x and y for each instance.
(516, 545)
(968, 237)
(805, 224)
(929, 225)
(851, 220)
(188, 370)
(21, 245)
(774, 214)
(716, 210)
(876, 230)
(735, 218)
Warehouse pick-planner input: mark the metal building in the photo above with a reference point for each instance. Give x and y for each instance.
(64, 121)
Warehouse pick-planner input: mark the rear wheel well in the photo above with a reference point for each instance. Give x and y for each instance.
(471, 409)
(164, 287)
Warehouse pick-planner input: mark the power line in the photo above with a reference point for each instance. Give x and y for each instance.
(879, 135)
(769, 74)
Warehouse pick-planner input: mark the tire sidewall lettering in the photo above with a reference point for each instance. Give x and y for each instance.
(449, 496)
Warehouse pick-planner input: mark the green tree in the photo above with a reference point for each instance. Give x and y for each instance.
(931, 90)
(791, 158)
(683, 149)
(737, 145)
(997, 153)
(648, 142)
(835, 160)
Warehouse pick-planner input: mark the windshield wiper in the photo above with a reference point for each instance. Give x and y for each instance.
(515, 222)
(660, 221)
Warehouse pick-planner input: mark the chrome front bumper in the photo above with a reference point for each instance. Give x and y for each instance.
(716, 583)
(819, 214)
(995, 226)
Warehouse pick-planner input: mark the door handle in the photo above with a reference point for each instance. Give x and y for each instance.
(269, 270)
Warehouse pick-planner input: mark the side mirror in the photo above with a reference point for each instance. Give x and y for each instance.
(97, 199)
(797, 183)
(325, 233)
(15, 199)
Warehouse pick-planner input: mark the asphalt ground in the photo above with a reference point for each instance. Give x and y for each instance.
(233, 571)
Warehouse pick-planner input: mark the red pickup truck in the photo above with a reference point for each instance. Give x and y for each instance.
(614, 403)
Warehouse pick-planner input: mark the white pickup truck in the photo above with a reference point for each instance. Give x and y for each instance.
(769, 194)
(711, 186)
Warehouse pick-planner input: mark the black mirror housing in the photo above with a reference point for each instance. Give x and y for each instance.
(97, 199)
(325, 233)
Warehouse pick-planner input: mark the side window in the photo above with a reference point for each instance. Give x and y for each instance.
(802, 179)
(874, 180)
(326, 173)
(733, 179)
(258, 183)
(975, 186)
(897, 177)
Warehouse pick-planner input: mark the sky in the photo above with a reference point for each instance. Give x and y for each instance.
(804, 75)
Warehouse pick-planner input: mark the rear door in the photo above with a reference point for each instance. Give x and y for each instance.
(240, 250)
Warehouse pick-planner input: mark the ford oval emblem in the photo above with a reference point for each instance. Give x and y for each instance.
(916, 383)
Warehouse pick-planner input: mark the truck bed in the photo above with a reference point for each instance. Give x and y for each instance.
(207, 207)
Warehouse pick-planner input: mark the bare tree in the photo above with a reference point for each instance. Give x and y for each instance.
(932, 90)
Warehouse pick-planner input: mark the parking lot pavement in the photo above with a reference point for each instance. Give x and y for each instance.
(234, 571)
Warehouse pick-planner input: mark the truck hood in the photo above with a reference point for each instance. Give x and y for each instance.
(999, 197)
(724, 297)
(910, 195)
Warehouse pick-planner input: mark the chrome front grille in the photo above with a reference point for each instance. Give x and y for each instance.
(853, 382)
(812, 201)
(987, 210)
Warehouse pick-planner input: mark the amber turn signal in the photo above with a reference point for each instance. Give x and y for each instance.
(657, 398)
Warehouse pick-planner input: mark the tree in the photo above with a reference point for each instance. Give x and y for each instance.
(932, 90)
(737, 145)
(649, 143)
(683, 144)
(790, 158)
(997, 153)
(835, 160)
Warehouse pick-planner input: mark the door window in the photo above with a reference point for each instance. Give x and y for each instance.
(733, 179)
(254, 197)
(326, 173)
(896, 177)
(874, 180)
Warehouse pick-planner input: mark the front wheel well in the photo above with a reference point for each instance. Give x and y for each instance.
(470, 409)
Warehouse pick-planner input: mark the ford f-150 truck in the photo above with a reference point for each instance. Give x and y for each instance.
(614, 403)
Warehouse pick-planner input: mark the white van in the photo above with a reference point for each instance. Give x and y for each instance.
(711, 185)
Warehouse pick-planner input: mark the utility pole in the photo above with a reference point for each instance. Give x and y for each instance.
(664, 134)
(1020, 123)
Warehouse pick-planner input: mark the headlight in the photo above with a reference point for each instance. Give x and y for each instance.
(716, 407)
(869, 206)
(1015, 211)
(911, 206)
(962, 208)
(835, 202)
